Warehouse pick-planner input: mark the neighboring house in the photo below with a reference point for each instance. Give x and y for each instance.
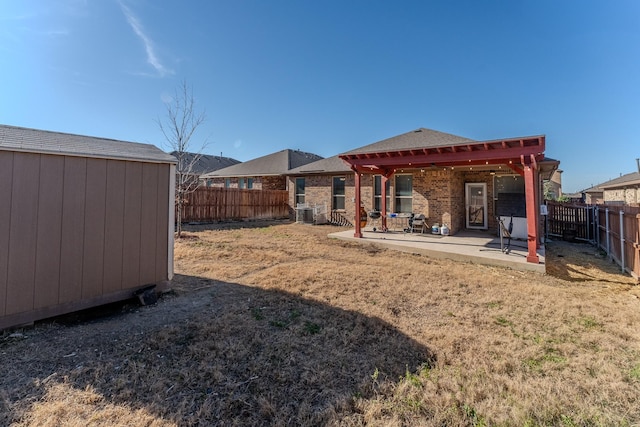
(196, 164)
(263, 173)
(624, 190)
(553, 186)
(593, 195)
(574, 197)
(84, 221)
(452, 180)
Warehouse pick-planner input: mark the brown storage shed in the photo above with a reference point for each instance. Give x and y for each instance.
(84, 221)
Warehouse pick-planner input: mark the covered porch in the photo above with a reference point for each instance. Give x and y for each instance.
(480, 247)
(457, 163)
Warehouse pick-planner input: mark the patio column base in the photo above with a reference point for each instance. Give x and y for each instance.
(357, 234)
(533, 258)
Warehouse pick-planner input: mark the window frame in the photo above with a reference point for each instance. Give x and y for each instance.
(336, 197)
(299, 198)
(377, 193)
(399, 198)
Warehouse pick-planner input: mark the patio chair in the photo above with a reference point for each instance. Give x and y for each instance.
(419, 222)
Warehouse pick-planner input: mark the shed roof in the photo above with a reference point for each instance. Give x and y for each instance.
(278, 163)
(13, 138)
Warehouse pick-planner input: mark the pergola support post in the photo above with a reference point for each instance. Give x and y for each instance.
(532, 214)
(358, 232)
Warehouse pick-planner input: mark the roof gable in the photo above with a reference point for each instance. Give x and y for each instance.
(42, 141)
(279, 163)
(419, 138)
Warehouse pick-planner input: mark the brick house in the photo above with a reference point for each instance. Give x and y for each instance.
(263, 173)
(452, 180)
(624, 190)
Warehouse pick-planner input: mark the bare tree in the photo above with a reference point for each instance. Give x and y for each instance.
(178, 126)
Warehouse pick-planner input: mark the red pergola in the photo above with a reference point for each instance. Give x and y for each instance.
(522, 155)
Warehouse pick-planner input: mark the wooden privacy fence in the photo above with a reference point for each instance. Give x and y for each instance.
(615, 229)
(619, 236)
(576, 220)
(208, 204)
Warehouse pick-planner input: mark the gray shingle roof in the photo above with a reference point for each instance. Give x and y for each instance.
(332, 164)
(279, 163)
(206, 163)
(628, 179)
(419, 138)
(14, 138)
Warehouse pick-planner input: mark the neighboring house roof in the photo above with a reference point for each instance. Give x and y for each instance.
(573, 195)
(332, 164)
(279, 163)
(205, 163)
(622, 181)
(419, 138)
(594, 189)
(15, 138)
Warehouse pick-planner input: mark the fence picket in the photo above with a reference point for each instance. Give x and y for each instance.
(615, 230)
(224, 204)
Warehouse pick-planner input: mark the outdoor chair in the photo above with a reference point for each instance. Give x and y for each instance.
(419, 222)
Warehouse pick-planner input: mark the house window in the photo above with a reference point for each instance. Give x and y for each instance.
(300, 189)
(377, 193)
(227, 182)
(249, 183)
(241, 183)
(209, 182)
(337, 202)
(404, 193)
(510, 196)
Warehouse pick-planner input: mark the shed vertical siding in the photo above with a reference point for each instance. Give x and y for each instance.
(76, 232)
(94, 223)
(72, 242)
(132, 215)
(148, 221)
(22, 235)
(114, 226)
(163, 230)
(6, 178)
(47, 274)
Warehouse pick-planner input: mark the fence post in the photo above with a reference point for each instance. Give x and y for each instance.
(606, 220)
(622, 240)
(596, 225)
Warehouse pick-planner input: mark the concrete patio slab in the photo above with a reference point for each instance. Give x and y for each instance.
(467, 246)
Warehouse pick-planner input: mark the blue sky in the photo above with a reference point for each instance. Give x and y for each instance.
(330, 76)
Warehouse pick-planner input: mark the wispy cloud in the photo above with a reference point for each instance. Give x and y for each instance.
(149, 46)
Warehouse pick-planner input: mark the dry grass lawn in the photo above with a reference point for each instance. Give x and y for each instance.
(278, 325)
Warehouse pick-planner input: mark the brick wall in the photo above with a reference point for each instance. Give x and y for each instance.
(438, 194)
(625, 195)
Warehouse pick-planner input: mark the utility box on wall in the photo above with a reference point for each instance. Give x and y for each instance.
(84, 221)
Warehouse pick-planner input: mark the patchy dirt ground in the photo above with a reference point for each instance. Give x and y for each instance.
(274, 324)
